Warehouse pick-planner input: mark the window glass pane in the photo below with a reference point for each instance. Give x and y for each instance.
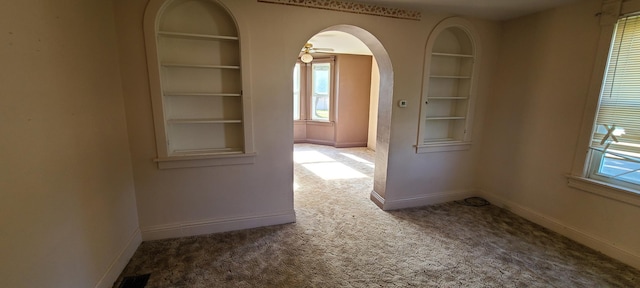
(296, 92)
(321, 86)
(616, 133)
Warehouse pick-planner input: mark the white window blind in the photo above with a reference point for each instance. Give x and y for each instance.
(617, 127)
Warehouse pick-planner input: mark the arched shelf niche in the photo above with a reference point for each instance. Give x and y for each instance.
(200, 112)
(449, 86)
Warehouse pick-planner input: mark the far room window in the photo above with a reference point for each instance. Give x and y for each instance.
(615, 142)
(312, 90)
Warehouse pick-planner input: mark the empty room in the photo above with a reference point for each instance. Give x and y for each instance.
(317, 143)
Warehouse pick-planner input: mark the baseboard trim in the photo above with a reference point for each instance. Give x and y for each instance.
(350, 144)
(215, 225)
(377, 199)
(430, 199)
(118, 264)
(587, 239)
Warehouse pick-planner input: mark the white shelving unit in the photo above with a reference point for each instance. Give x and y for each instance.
(200, 80)
(447, 100)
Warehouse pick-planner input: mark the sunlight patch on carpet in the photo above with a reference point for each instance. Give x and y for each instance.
(310, 157)
(361, 160)
(333, 171)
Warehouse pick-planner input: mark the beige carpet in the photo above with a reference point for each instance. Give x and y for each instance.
(342, 239)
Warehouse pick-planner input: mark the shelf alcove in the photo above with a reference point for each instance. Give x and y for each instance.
(449, 88)
(193, 50)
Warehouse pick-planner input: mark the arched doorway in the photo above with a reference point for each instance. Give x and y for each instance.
(383, 107)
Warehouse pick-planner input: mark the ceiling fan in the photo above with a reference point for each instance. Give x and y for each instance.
(308, 49)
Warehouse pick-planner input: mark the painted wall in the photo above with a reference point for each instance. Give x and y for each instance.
(532, 128)
(353, 82)
(67, 209)
(350, 102)
(373, 105)
(201, 200)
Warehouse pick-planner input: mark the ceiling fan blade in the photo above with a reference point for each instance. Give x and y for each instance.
(323, 49)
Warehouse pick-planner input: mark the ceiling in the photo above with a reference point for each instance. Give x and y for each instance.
(344, 43)
(486, 9)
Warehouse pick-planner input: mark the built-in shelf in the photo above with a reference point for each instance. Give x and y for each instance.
(446, 118)
(452, 55)
(228, 150)
(447, 98)
(204, 66)
(450, 76)
(202, 121)
(195, 36)
(178, 94)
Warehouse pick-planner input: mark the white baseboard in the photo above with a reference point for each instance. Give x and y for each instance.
(430, 199)
(605, 246)
(120, 261)
(215, 225)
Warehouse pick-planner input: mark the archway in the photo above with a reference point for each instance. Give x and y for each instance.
(384, 107)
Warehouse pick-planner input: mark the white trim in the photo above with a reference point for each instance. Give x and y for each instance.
(443, 147)
(604, 189)
(430, 199)
(192, 228)
(595, 242)
(120, 261)
(173, 162)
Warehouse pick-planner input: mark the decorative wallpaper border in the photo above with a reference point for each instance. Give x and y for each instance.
(358, 8)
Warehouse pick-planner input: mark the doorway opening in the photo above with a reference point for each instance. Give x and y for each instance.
(342, 99)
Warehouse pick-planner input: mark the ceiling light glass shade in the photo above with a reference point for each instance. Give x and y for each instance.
(306, 58)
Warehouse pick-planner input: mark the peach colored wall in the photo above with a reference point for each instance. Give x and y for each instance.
(353, 82)
(67, 209)
(350, 103)
(532, 128)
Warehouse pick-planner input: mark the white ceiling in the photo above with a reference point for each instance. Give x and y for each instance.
(487, 9)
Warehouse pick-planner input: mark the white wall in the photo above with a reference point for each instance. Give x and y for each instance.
(200, 200)
(67, 209)
(532, 129)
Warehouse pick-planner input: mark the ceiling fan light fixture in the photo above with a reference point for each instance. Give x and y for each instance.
(306, 58)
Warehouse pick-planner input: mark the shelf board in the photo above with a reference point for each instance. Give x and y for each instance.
(446, 118)
(447, 98)
(450, 77)
(178, 94)
(452, 55)
(202, 121)
(217, 151)
(195, 36)
(180, 65)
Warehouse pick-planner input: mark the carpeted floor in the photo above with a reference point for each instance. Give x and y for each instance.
(341, 239)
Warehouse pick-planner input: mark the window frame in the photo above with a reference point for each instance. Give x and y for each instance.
(578, 178)
(306, 88)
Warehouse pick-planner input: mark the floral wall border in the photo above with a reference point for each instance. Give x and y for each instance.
(358, 8)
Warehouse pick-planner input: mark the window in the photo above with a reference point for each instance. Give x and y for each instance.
(312, 90)
(615, 141)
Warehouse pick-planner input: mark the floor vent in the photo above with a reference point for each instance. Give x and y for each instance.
(135, 281)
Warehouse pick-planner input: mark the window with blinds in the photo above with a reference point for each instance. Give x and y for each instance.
(615, 143)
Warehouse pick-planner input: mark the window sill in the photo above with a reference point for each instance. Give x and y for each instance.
(204, 160)
(443, 147)
(604, 189)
